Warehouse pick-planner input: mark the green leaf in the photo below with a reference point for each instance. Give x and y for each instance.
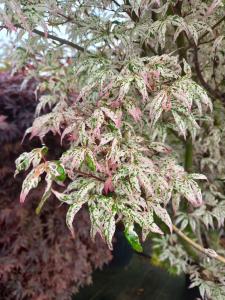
(133, 239)
(90, 161)
(61, 171)
(57, 171)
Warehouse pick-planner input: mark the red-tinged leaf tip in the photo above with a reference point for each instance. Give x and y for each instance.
(10, 25)
(22, 197)
(45, 30)
(197, 203)
(118, 121)
(166, 104)
(108, 185)
(135, 113)
(155, 229)
(116, 103)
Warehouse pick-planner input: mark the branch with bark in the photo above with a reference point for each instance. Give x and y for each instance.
(52, 37)
(208, 252)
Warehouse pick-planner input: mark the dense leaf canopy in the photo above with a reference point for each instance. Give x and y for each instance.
(129, 86)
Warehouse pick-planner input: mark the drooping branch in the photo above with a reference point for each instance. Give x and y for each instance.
(208, 252)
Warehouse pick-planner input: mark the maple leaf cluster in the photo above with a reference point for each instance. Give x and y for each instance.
(38, 257)
(129, 88)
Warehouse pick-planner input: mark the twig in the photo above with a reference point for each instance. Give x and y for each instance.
(215, 94)
(114, 1)
(58, 39)
(143, 254)
(209, 252)
(131, 13)
(202, 36)
(89, 175)
(213, 27)
(52, 37)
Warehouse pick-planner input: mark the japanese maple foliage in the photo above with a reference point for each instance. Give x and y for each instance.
(38, 257)
(127, 84)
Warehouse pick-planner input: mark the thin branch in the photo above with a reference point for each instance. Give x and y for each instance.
(131, 13)
(115, 2)
(213, 93)
(52, 37)
(185, 48)
(89, 175)
(151, 48)
(202, 36)
(71, 19)
(209, 252)
(58, 39)
(143, 254)
(207, 42)
(213, 27)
